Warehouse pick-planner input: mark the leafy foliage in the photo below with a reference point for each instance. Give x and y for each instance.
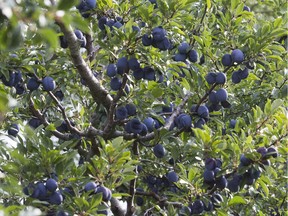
(225, 155)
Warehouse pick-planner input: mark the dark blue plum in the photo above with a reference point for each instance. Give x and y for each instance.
(236, 77)
(136, 28)
(197, 207)
(246, 8)
(272, 152)
(221, 182)
(209, 206)
(237, 56)
(110, 23)
(42, 191)
(63, 42)
(262, 151)
(172, 176)
(131, 109)
(211, 77)
(56, 198)
(20, 89)
(202, 60)
(234, 183)
(244, 73)
(159, 151)
(149, 73)
(138, 74)
(209, 176)
(13, 130)
(134, 126)
(139, 201)
(90, 186)
(210, 163)
(78, 34)
(133, 64)
(144, 130)
(221, 94)
(102, 22)
(34, 122)
(226, 60)
(158, 34)
(245, 161)
(218, 163)
(11, 79)
(248, 178)
(147, 40)
(48, 83)
(200, 122)
(183, 48)
(216, 199)
(232, 123)
(163, 45)
(111, 70)
(183, 121)
(115, 84)
(150, 123)
(180, 57)
(221, 78)
(59, 95)
(193, 56)
(203, 111)
(33, 84)
(121, 113)
(122, 64)
(62, 213)
(117, 25)
(106, 193)
(167, 109)
(212, 97)
(51, 185)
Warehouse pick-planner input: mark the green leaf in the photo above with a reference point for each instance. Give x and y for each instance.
(208, 3)
(267, 108)
(264, 187)
(276, 104)
(66, 4)
(50, 36)
(237, 200)
(157, 92)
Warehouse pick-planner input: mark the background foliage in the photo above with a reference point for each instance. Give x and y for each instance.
(98, 149)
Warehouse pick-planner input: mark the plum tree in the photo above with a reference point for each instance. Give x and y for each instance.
(161, 107)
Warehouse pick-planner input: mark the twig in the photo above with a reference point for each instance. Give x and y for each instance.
(70, 127)
(43, 120)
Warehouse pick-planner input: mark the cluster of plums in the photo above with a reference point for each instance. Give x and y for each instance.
(184, 52)
(48, 191)
(236, 57)
(123, 65)
(45, 191)
(251, 174)
(86, 6)
(157, 39)
(198, 206)
(15, 80)
(211, 174)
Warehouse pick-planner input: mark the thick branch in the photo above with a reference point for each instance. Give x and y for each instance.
(98, 92)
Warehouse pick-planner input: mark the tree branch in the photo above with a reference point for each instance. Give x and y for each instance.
(98, 92)
(43, 120)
